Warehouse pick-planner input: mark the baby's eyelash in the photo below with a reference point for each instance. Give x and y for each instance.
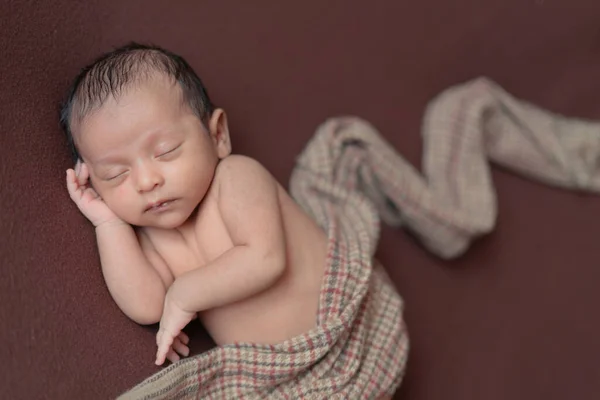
(169, 151)
(115, 176)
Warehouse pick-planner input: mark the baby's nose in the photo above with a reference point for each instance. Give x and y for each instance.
(148, 178)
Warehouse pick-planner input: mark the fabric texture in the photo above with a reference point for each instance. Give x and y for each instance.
(346, 178)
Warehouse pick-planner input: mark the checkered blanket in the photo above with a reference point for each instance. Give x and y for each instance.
(348, 178)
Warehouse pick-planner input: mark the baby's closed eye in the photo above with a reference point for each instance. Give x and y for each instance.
(114, 176)
(164, 152)
(111, 173)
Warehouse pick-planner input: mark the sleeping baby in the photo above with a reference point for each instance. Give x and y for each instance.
(184, 227)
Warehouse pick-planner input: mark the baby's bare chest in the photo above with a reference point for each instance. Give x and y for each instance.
(194, 246)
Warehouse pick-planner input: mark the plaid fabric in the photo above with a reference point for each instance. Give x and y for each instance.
(346, 179)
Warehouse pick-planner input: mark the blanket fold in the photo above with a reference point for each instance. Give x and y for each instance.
(347, 178)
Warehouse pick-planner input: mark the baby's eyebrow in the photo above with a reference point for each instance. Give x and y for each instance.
(158, 134)
(107, 161)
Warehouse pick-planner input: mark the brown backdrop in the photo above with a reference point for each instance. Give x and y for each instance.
(513, 319)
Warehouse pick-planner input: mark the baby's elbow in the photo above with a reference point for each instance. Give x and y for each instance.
(276, 264)
(146, 314)
(145, 319)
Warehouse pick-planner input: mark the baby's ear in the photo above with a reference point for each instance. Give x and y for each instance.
(219, 132)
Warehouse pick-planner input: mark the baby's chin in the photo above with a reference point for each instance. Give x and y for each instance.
(172, 221)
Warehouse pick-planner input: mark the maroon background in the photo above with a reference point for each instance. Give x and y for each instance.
(513, 319)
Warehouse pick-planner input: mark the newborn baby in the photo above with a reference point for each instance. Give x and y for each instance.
(185, 228)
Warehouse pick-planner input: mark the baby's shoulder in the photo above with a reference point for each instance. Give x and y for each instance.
(239, 163)
(242, 179)
(241, 168)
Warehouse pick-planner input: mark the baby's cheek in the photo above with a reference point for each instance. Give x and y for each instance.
(122, 195)
(117, 197)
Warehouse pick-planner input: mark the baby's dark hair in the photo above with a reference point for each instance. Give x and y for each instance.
(116, 71)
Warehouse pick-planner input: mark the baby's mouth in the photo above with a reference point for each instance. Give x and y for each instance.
(159, 205)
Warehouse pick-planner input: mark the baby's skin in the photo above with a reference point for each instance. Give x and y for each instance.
(184, 228)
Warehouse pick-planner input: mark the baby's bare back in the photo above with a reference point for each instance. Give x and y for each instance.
(287, 308)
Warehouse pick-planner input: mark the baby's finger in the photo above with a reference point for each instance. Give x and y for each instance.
(185, 339)
(160, 356)
(72, 185)
(172, 356)
(83, 174)
(165, 341)
(181, 348)
(91, 193)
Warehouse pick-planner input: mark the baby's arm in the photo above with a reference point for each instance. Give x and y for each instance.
(136, 275)
(134, 284)
(249, 206)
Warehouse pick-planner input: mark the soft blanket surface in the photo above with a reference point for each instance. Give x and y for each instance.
(347, 178)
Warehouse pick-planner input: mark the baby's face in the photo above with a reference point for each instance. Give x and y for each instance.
(150, 158)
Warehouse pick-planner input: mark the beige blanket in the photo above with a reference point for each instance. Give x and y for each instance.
(347, 178)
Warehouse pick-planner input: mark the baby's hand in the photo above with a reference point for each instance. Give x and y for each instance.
(170, 339)
(86, 198)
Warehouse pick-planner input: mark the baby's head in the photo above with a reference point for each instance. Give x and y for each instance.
(143, 124)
